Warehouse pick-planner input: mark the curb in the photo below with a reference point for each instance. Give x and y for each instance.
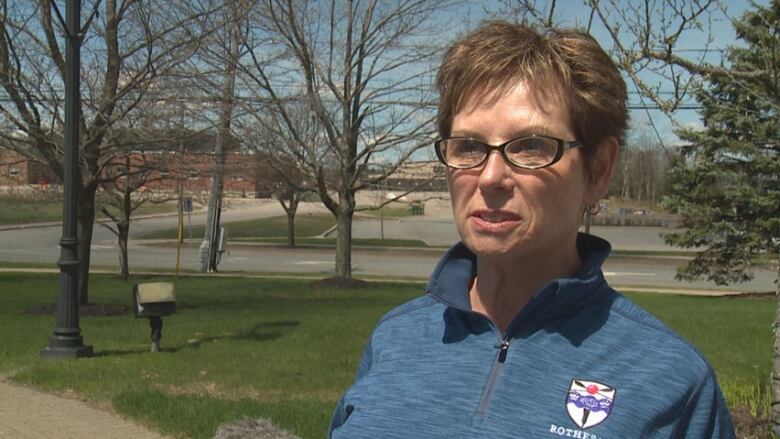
(412, 281)
(29, 226)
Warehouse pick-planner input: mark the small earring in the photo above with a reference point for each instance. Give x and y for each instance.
(593, 209)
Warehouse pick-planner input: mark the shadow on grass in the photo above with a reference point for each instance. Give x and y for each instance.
(260, 332)
(119, 352)
(221, 304)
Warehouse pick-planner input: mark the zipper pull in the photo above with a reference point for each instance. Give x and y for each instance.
(504, 346)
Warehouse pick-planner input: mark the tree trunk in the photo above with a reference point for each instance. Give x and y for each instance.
(86, 220)
(624, 187)
(639, 187)
(123, 227)
(290, 209)
(291, 228)
(344, 238)
(775, 409)
(124, 231)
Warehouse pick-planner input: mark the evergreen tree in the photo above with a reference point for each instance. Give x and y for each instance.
(727, 187)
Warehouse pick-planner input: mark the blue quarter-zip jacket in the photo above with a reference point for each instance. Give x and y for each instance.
(580, 360)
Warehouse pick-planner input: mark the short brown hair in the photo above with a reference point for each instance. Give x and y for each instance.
(498, 55)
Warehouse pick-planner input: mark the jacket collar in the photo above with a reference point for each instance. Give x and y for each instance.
(450, 281)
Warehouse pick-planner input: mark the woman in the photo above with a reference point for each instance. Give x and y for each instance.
(519, 335)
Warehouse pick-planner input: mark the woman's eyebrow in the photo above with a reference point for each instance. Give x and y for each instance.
(466, 133)
(538, 130)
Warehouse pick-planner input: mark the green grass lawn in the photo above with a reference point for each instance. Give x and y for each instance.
(273, 230)
(237, 347)
(305, 225)
(388, 212)
(275, 348)
(150, 209)
(18, 210)
(15, 209)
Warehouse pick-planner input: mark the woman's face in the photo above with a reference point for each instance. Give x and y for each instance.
(501, 210)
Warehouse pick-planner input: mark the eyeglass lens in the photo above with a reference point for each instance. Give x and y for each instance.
(531, 152)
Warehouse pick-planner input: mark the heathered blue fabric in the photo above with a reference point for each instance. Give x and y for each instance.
(426, 371)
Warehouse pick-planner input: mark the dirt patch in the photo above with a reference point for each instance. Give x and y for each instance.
(341, 283)
(252, 428)
(265, 396)
(90, 310)
(748, 426)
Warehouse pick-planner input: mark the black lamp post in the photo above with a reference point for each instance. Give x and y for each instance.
(66, 342)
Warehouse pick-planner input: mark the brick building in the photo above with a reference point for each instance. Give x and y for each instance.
(176, 159)
(16, 170)
(244, 174)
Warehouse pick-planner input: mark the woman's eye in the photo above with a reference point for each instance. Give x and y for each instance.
(533, 145)
(470, 148)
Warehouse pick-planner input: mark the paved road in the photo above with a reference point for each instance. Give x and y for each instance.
(41, 245)
(440, 230)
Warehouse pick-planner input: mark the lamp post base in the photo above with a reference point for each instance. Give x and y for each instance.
(79, 352)
(61, 347)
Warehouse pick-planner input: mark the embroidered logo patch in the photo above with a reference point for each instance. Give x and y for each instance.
(589, 403)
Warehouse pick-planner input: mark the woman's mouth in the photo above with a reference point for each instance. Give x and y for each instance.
(493, 221)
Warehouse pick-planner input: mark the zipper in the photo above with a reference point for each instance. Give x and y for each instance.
(502, 345)
(495, 371)
(502, 348)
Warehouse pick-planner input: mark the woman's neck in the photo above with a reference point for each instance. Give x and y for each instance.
(501, 290)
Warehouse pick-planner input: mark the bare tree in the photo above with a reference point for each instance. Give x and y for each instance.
(123, 53)
(641, 168)
(290, 190)
(364, 70)
(281, 155)
(125, 193)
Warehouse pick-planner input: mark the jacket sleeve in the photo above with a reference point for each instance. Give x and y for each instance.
(706, 415)
(343, 410)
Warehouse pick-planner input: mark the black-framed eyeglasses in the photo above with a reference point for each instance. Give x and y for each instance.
(528, 152)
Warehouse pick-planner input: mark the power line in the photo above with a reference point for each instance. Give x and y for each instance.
(656, 107)
(401, 102)
(652, 125)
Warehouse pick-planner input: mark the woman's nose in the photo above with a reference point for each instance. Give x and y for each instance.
(496, 173)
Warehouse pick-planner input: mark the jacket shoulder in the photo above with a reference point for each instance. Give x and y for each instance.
(411, 310)
(652, 334)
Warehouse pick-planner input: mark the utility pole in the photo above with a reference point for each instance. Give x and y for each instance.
(208, 249)
(383, 185)
(66, 342)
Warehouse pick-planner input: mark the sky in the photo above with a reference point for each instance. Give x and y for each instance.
(469, 14)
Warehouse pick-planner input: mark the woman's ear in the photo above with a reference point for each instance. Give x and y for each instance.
(601, 169)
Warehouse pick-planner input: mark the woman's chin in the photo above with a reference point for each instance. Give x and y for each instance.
(489, 246)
